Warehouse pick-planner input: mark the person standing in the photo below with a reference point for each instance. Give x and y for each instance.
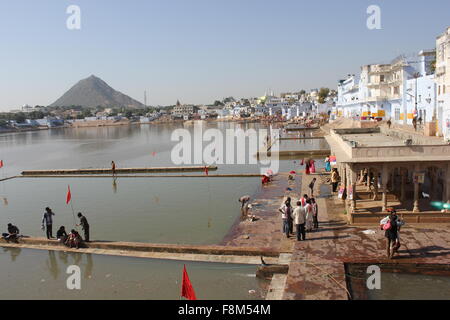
(311, 186)
(113, 167)
(327, 164)
(300, 220)
(312, 166)
(85, 225)
(304, 199)
(47, 222)
(391, 234)
(309, 215)
(286, 216)
(307, 167)
(334, 179)
(315, 209)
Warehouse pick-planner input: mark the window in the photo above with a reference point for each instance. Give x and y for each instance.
(396, 90)
(382, 78)
(397, 114)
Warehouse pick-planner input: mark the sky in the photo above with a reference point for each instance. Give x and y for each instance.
(199, 51)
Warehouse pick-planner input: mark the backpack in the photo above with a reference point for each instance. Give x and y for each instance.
(387, 226)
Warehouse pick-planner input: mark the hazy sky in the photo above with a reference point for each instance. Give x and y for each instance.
(201, 50)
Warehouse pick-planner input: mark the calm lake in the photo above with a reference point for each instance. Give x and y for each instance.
(185, 210)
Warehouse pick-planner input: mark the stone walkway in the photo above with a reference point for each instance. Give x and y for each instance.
(317, 267)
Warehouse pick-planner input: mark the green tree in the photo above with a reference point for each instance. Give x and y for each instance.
(323, 94)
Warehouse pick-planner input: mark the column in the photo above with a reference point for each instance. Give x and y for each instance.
(403, 182)
(416, 190)
(433, 180)
(384, 183)
(393, 180)
(353, 180)
(375, 185)
(447, 185)
(368, 179)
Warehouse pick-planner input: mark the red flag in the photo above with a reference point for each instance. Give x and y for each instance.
(206, 170)
(69, 195)
(1, 164)
(186, 288)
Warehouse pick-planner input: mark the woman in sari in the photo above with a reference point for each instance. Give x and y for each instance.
(309, 215)
(327, 164)
(312, 166)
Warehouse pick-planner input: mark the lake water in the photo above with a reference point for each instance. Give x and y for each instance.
(161, 210)
(36, 274)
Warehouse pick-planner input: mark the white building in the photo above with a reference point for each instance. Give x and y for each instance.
(443, 83)
(381, 93)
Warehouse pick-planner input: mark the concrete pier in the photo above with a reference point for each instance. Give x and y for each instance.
(118, 170)
(240, 175)
(222, 254)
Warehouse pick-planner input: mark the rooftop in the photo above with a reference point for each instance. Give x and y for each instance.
(385, 145)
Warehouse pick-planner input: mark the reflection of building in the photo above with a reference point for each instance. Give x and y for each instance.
(443, 83)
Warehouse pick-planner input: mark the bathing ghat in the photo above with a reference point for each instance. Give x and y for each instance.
(206, 253)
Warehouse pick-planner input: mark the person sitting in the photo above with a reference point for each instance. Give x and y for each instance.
(61, 234)
(12, 235)
(73, 239)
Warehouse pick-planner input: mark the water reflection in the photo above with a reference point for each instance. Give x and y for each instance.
(52, 265)
(14, 252)
(114, 184)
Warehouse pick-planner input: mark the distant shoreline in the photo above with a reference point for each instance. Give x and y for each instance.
(98, 123)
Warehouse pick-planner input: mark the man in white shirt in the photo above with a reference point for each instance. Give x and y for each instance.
(286, 216)
(299, 221)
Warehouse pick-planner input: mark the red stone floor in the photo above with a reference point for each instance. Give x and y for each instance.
(317, 269)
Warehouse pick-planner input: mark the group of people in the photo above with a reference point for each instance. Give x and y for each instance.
(47, 224)
(72, 240)
(304, 217)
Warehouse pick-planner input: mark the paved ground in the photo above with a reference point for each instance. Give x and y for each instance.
(317, 265)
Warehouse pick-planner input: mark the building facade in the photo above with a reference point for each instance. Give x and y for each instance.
(443, 83)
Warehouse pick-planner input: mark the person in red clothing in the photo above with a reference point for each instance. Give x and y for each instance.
(113, 167)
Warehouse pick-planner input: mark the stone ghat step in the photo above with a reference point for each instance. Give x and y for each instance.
(118, 170)
(152, 247)
(287, 153)
(408, 217)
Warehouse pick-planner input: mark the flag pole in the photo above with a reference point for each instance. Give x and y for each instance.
(73, 214)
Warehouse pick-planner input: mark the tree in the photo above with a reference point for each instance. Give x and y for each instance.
(87, 113)
(128, 114)
(20, 117)
(323, 94)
